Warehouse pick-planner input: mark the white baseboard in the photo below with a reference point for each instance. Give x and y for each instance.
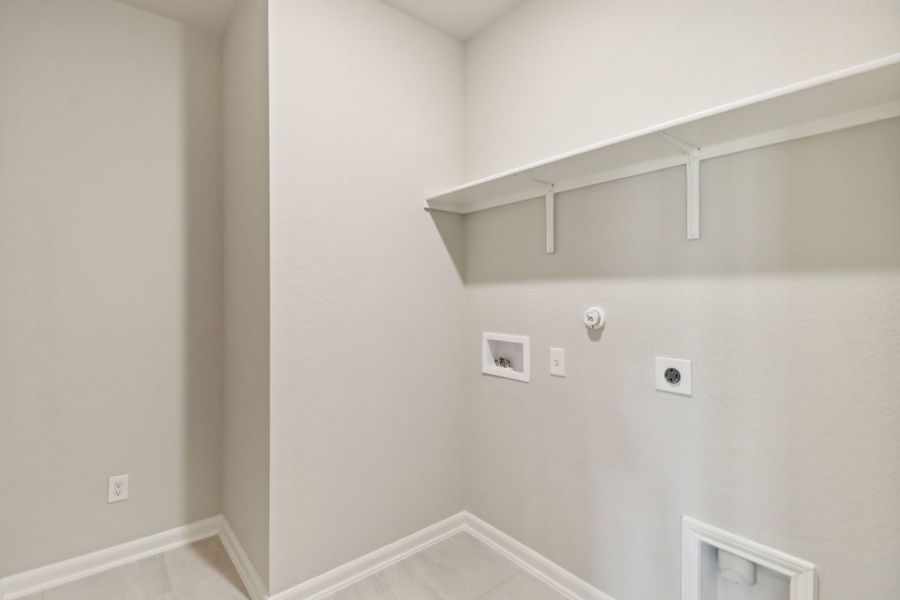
(242, 563)
(544, 569)
(317, 588)
(347, 574)
(42, 578)
(530, 561)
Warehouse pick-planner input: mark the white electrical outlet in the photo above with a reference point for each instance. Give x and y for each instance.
(558, 362)
(118, 489)
(673, 375)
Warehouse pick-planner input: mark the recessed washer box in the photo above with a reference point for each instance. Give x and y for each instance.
(504, 355)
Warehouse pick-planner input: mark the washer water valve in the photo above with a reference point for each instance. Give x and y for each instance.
(595, 318)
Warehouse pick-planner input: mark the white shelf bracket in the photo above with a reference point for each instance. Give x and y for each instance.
(550, 205)
(550, 208)
(692, 202)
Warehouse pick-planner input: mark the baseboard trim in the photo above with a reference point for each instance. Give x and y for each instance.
(564, 582)
(242, 563)
(317, 588)
(349, 573)
(42, 578)
(541, 567)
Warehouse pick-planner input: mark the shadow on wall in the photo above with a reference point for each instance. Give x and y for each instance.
(786, 208)
(203, 310)
(451, 228)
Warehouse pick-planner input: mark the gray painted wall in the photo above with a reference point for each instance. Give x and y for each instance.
(374, 317)
(787, 305)
(245, 490)
(555, 75)
(110, 276)
(366, 113)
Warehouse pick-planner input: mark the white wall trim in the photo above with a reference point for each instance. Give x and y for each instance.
(349, 573)
(539, 566)
(242, 563)
(317, 588)
(544, 569)
(694, 533)
(42, 578)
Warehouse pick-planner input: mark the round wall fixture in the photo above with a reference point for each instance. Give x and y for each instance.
(595, 318)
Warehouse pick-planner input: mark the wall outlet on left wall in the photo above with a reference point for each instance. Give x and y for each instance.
(118, 489)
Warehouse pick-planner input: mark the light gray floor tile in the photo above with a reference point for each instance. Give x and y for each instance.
(461, 567)
(369, 588)
(458, 568)
(142, 580)
(200, 571)
(390, 584)
(203, 571)
(522, 587)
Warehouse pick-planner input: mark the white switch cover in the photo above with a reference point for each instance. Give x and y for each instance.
(673, 375)
(558, 362)
(118, 489)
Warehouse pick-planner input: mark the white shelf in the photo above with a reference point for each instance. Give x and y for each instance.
(855, 96)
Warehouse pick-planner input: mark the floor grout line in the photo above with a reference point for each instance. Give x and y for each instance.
(505, 581)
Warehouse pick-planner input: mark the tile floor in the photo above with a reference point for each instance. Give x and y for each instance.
(458, 568)
(200, 571)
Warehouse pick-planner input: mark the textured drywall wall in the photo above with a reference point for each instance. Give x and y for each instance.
(110, 276)
(245, 487)
(788, 307)
(555, 75)
(366, 300)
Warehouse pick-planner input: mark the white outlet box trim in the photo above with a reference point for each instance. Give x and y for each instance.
(42, 578)
(695, 533)
(685, 387)
(487, 361)
(120, 483)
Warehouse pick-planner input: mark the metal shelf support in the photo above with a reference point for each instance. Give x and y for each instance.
(550, 205)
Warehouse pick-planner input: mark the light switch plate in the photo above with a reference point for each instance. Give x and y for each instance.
(558, 362)
(673, 375)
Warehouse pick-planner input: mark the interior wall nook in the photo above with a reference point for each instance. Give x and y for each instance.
(218, 276)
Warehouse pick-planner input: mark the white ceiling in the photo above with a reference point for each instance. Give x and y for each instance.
(209, 15)
(460, 18)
